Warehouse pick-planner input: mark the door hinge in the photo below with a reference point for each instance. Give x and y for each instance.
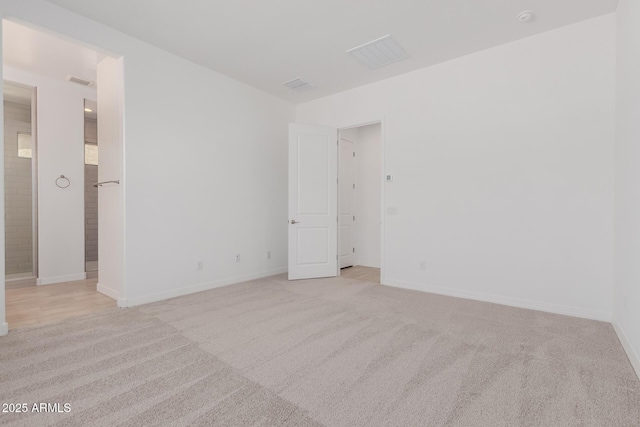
(354, 217)
(354, 186)
(354, 250)
(336, 219)
(354, 154)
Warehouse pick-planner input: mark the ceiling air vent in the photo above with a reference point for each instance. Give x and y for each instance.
(298, 85)
(79, 81)
(378, 53)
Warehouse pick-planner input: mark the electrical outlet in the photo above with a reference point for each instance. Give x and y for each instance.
(199, 265)
(423, 265)
(268, 254)
(237, 257)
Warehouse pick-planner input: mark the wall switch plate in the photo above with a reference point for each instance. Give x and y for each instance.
(389, 177)
(199, 265)
(237, 257)
(392, 210)
(423, 265)
(268, 254)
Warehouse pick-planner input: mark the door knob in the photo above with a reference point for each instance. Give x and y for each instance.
(293, 221)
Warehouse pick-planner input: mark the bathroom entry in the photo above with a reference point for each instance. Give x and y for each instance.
(20, 183)
(90, 191)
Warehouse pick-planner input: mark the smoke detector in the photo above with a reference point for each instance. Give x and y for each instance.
(78, 80)
(526, 16)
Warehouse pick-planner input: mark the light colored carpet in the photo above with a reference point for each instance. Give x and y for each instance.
(336, 352)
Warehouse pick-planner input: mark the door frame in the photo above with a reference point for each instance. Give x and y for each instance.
(346, 126)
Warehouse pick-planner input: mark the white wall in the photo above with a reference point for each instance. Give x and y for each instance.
(503, 170)
(626, 310)
(60, 151)
(350, 134)
(205, 166)
(206, 174)
(111, 213)
(368, 182)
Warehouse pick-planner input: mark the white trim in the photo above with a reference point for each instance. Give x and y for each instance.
(383, 203)
(11, 278)
(111, 293)
(159, 296)
(17, 282)
(634, 358)
(504, 300)
(59, 279)
(4, 329)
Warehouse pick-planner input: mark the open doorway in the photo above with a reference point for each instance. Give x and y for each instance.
(359, 201)
(90, 189)
(63, 273)
(20, 185)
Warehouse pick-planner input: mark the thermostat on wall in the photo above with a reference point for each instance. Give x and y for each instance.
(389, 178)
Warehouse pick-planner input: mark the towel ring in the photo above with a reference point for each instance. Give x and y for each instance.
(60, 181)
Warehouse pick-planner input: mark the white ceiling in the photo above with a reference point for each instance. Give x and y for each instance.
(267, 42)
(44, 54)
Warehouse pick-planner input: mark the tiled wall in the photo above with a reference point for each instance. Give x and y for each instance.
(18, 192)
(90, 197)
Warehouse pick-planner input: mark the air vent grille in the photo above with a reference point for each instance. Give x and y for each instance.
(298, 85)
(78, 80)
(378, 53)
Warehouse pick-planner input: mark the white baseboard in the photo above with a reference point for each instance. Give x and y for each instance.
(111, 293)
(634, 358)
(18, 279)
(159, 296)
(503, 300)
(4, 329)
(60, 279)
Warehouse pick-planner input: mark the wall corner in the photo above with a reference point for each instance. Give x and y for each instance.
(634, 358)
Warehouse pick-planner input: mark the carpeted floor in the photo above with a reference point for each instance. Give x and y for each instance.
(336, 352)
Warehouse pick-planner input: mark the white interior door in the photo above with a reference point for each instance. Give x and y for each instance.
(313, 213)
(346, 190)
